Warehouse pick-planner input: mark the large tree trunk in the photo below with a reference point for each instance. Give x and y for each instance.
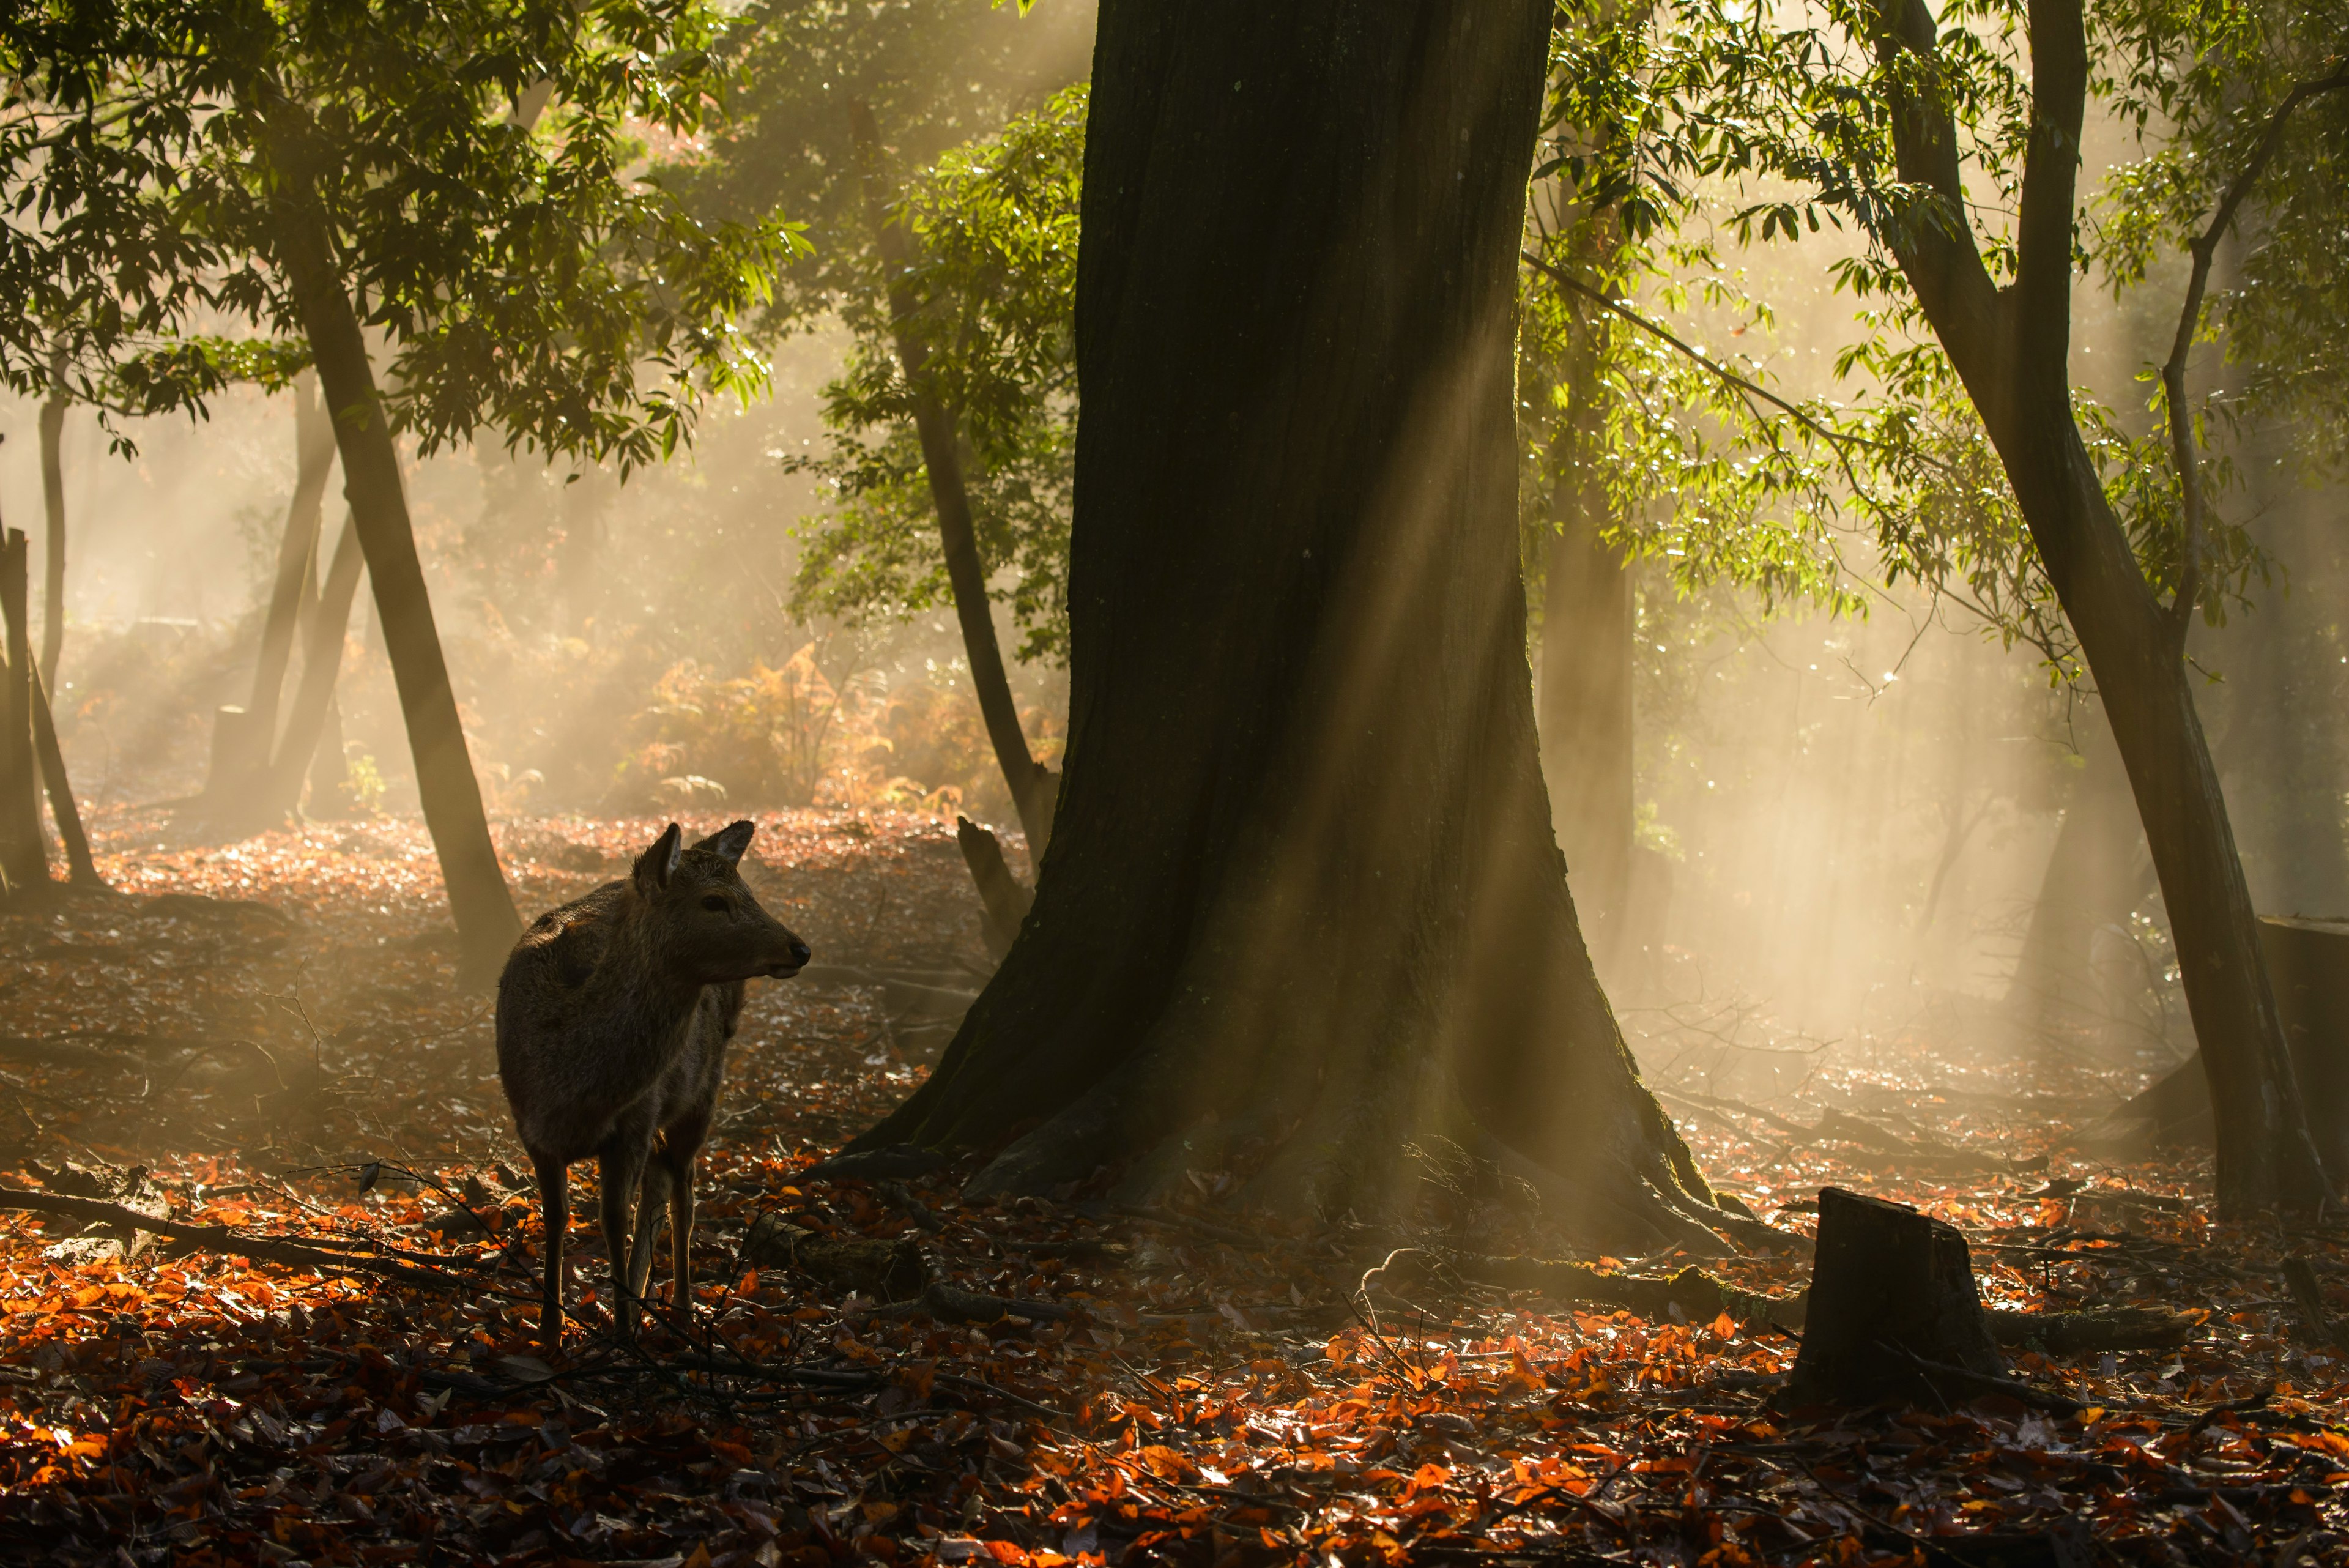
(1304, 901)
(478, 897)
(53, 501)
(1034, 787)
(2010, 345)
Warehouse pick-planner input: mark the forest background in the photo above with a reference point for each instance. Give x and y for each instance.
(1843, 819)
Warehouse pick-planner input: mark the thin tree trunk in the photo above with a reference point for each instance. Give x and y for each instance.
(53, 501)
(478, 899)
(321, 742)
(82, 870)
(1033, 787)
(2010, 348)
(575, 562)
(1959, 828)
(330, 770)
(1304, 903)
(322, 661)
(23, 855)
(297, 554)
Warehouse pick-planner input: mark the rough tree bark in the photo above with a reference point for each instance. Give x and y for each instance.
(1894, 1312)
(478, 899)
(1034, 787)
(53, 502)
(2010, 345)
(1304, 901)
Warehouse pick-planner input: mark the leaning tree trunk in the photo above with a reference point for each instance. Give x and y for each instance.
(2009, 346)
(297, 555)
(478, 897)
(53, 500)
(1034, 787)
(246, 739)
(313, 730)
(1303, 897)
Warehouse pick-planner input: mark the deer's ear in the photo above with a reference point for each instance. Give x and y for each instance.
(729, 841)
(655, 866)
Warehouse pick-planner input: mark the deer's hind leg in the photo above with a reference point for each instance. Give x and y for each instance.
(652, 1196)
(679, 1147)
(555, 1205)
(620, 1164)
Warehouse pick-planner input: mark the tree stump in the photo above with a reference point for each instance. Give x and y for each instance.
(1002, 893)
(1894, 1313)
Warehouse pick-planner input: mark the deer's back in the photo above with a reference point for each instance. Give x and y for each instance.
(572, 1056)
(541, 988)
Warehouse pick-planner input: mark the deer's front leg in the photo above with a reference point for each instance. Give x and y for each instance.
(680, 1234)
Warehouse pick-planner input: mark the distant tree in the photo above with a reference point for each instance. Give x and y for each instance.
(934, 75)
(346, 178)
(846, 98)
(993, 290)
(1925, 138)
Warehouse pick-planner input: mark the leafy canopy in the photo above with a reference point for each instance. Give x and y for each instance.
(994, 226)
(520, 274)
(1779, 122)
(935, 75)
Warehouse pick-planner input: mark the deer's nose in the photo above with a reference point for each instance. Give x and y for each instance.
(799, 952)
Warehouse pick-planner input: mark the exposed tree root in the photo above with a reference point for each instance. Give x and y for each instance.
(1692, 1295)
(1696, 1296)
(1346, 1150)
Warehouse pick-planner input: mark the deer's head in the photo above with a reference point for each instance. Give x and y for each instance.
(706, 926)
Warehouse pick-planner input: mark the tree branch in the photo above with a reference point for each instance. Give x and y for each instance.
(233, 1242)
(1935, 248)
(2041, 318)
(1663, 334)
(2204, 248)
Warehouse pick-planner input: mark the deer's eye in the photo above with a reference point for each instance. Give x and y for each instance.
(716, 904)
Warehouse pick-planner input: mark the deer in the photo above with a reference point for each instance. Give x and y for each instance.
(614, 1014)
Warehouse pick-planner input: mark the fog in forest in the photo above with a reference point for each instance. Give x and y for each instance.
(1845, 822)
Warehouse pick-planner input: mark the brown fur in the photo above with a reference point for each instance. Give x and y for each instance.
(614, 1014)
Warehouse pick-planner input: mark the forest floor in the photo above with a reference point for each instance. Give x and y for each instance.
(268, 1038)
